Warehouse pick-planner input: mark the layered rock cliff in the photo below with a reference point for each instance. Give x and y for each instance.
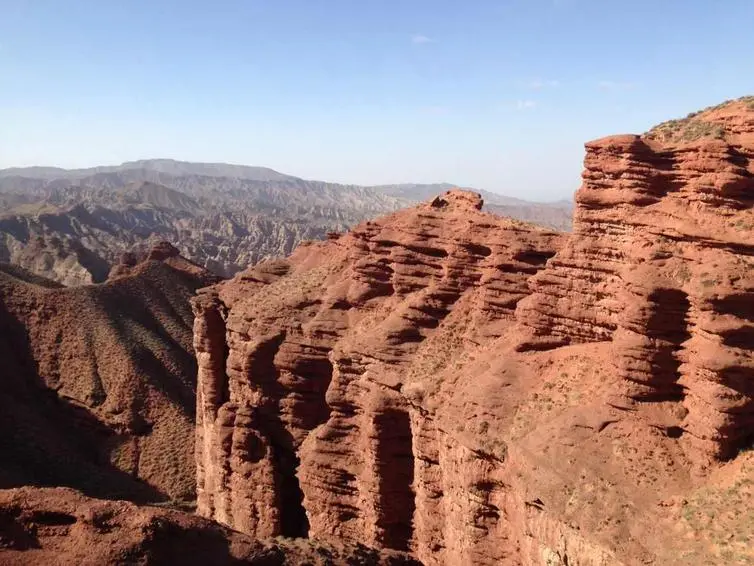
(660, 265)
(312, 378)
(475, 390)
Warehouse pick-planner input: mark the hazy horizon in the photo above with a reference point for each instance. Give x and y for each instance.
(494, 95)
(405, 183)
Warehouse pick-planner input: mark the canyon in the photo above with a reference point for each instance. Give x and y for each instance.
(439, 385)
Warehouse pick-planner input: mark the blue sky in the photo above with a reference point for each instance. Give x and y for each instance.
(495, 94)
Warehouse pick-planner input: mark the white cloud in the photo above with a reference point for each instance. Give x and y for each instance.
(615, 86)
(539, 84)
(419, 39)
(526, 104)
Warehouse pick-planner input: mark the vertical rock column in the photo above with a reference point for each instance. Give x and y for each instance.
(460, 515)
(719, 376)
(235, 464)
(394, 473)
(648, 342)
(212, 392)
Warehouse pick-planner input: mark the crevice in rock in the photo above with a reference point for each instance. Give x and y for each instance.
(293, 520)
(477, 249)
(263, 373)
(533, 257)
(395, 464)
(674, 432)
(740, 305)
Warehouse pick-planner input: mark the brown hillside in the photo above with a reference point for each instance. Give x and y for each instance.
(99, 388)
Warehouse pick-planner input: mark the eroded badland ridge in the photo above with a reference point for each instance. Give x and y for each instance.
(72, 225)
(470, 389)
(99, 380)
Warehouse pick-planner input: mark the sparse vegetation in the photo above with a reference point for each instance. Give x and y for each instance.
(743, 225)
(694, 127)
(721, 519)
(683, 274)
(686, 130)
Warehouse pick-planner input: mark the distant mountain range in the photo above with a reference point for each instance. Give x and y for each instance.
(72, 225)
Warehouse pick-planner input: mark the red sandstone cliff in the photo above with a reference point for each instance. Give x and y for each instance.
(315, 407)
(397, 386)
(660, 265)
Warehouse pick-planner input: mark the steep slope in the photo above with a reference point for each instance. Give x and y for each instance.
(64, 260)
(62, 527)
(312, 379)
(474, 390)
(99, 380)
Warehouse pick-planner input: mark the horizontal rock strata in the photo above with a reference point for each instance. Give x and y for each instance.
(660, 264)
(307, 425)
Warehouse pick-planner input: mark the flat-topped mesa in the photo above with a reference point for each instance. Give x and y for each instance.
(305, 426)
(659, 263)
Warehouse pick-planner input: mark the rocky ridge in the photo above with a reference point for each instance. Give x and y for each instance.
(62, 527)
(99, 380)
(306, 385)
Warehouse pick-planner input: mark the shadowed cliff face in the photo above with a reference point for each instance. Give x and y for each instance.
(99, 380)
(478, 391)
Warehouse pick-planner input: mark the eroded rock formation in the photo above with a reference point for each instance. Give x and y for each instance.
(311, 382)
(72, 225)
(475, 390)
(661, 265)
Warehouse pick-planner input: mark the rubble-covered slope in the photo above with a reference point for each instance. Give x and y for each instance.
(62, 527)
